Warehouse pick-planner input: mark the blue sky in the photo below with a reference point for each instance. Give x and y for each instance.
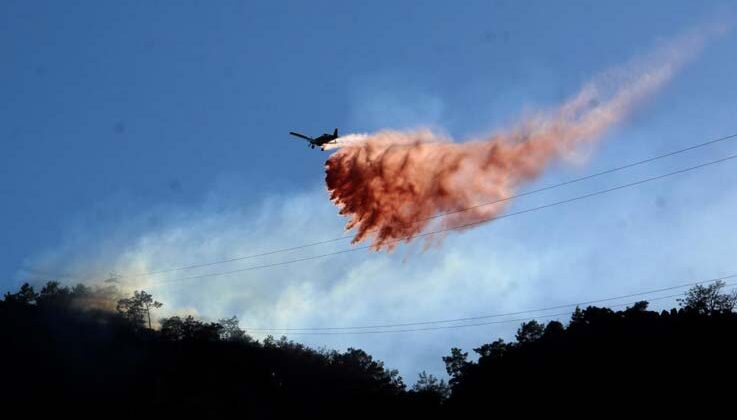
(142, 135)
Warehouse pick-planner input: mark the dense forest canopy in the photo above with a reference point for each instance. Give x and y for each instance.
(70, 347)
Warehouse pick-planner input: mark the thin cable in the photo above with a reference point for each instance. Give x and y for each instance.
(463, 226)
(478, 324)
(527, 311)
(443, 214)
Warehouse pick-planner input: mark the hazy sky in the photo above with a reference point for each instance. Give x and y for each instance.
(143, 135)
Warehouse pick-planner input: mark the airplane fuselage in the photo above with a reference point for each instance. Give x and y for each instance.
(325, 138)
(320, 141)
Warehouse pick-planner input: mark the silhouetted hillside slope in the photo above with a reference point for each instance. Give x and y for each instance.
(61, 355)
(58, 355)
(670, 360)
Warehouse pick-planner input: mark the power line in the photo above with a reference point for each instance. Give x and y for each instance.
(475, 318)
(590, 176)
(478, 324)
(463, 226)
(443, 214)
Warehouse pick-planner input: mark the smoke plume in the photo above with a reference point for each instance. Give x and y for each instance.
(392, 185)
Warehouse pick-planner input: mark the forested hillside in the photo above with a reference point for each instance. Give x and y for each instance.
(65, 350)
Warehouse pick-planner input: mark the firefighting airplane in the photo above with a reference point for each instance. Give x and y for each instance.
(321, 141)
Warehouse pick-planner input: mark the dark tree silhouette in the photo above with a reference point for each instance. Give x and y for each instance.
(553, 330)
(494, 350)
(177, 329)
(231, 331)
(26, 295)
(431, 386)
(455, 364)
(709, 299)
(137, 309)
(529, 332)
(53, 293)
(357, 360)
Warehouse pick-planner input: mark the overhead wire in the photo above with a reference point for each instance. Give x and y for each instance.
(500, 315)
(442, 214)
(463, 226)
(478, 324)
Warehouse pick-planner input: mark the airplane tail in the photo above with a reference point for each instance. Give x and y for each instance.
(335, 133)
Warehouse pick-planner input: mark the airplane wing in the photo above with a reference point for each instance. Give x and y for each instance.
(301, 136)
